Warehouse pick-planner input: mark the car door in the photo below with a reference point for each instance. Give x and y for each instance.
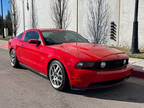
(18, 46)
(31, 53)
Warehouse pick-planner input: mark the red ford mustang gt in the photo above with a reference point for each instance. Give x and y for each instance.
(68, 59)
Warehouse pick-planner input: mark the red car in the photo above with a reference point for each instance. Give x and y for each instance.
(68, 59)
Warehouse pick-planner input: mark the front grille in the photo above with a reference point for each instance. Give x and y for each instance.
(114, 64)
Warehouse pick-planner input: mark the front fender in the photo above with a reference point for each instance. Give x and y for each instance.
(67, 60)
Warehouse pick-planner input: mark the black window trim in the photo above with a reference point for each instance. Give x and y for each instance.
(30, 31)
(19, 35)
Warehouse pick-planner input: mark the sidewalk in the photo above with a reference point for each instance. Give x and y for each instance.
(3, 44)
(138, 64)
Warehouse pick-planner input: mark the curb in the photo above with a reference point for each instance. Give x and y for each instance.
(4, 45)
(138, 73)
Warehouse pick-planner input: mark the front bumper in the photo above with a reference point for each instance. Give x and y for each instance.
(95, 79)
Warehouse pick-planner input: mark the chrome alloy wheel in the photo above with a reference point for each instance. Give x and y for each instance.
(56, 75)
(12, 58)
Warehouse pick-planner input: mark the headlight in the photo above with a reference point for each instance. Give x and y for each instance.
(79, 65)
(103, 65)
(85, 65)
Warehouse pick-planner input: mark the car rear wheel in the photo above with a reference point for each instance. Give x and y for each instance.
(58, 76)
(13, 59)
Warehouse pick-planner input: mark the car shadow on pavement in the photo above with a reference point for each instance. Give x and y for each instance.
(127, 92)
(31, 70)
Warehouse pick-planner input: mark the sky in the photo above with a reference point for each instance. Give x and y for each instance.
(5, 7)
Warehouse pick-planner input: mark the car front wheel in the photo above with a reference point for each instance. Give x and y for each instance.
(58, 76)
(13, 59)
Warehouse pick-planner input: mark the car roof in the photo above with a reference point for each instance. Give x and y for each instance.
(49, 29)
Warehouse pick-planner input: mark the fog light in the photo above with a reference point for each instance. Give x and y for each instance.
(103, 64)
(125, 61)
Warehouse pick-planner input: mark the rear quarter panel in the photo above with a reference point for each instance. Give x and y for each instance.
(11, 44)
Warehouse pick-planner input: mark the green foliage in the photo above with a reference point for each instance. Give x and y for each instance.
(126, 50)
(8, 23)
(6, 39)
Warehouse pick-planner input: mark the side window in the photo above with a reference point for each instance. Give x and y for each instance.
(31, 35)
(20, 36)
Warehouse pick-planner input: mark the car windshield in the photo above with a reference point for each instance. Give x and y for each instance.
(59, 37)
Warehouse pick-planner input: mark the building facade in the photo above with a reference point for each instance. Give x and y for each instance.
(120, 11)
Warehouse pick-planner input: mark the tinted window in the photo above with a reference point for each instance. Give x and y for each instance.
(31, 35)
(20, 36)
(59, 37)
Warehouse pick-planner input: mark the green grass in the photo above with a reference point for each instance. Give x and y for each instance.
(7, 38)
(126, 50)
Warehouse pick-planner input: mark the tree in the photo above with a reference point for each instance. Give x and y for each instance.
(8, 23)
(1, 24)
(15, 16)
(98, 21)
(34, 15)
(61, 13)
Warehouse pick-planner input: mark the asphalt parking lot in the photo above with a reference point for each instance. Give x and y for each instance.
(22, 88)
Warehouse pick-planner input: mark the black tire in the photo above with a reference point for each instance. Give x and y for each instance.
(62, 83)
(13, 59)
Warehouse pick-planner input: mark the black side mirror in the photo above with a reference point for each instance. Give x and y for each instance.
(34, 41)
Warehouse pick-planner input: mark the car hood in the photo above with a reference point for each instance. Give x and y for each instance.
(87, 51)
